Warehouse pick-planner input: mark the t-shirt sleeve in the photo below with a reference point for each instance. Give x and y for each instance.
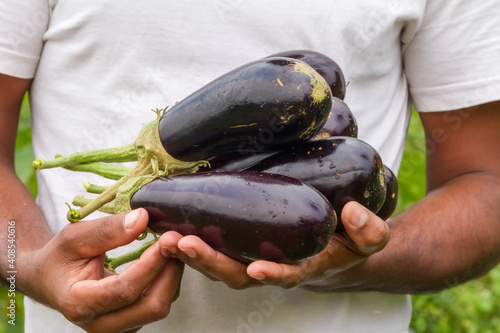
(22, 25)
(453, 60)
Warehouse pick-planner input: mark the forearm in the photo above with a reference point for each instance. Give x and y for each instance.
(28, 228)
(445, 239)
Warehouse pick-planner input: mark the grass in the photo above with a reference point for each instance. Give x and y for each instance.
(471, 307)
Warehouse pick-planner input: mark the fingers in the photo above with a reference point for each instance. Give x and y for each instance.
(368, 233)
(77, 285)
(87, 239)
(152, 305)
(87, 299)
(282, 275)
(217, 266)
(200, 256)
(365, 234)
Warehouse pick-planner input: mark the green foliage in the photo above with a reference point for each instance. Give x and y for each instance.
(24, 150)
(471, 307)
(411, 175)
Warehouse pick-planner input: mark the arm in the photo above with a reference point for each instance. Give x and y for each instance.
(16, 199)
(452, 234)
(66, 271)
(445, 239)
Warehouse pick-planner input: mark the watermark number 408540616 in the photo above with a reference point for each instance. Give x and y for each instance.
(11, 272)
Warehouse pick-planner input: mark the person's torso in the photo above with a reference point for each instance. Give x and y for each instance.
(106, 64)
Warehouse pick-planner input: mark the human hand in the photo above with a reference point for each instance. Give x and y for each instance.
(364, 235)
(68, 275)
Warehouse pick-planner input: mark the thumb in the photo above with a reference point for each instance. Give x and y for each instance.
(368, 232)
(91, 238)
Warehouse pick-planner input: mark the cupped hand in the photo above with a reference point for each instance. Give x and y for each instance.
(71, 278)
(364, 235)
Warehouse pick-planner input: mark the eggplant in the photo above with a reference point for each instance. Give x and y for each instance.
(391, 197)
(340, 122)
(342, 168)
(322, 64)
(246, 215)
(265, 105)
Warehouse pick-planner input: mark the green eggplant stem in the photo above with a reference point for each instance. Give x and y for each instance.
(109, 171)
(92, 188)
(143, 167)
(147, 150)
(113, 263)
(152, 161)
(124, 153)
(81, 201)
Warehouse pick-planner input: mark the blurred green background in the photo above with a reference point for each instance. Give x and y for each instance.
(470, 307)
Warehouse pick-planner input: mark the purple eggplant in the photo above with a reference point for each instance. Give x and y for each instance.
(246, 215)
(342, 168)
(263, 106)
(391, 197)
(322, 64)
(266, 105)
(340, 122)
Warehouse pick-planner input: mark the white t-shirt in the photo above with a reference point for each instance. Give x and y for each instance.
(100, 66)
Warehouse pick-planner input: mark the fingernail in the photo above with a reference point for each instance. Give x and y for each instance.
(358, 215)
(189, 252)
(131, 218)
(165, 252)
(169, 250)
(258, 276)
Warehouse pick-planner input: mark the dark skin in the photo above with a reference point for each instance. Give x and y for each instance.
(447, 238)
(65, 271)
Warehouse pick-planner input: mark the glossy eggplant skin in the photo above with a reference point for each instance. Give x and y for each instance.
(340, 122)
(391, 197)
(235, 161)
(265, 105)
(245, 215)
(324, 65)
(342, 168)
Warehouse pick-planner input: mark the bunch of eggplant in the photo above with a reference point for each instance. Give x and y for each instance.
(258, 163)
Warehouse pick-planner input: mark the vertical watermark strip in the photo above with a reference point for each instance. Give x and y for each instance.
(11, 272)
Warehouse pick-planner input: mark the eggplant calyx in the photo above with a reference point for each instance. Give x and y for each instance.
(142, 168)
(148, 146)
(147, 150)
(127, 190)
